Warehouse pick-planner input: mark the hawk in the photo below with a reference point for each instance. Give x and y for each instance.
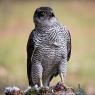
(48, 48)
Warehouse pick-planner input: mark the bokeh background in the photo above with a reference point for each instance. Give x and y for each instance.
(16, 24)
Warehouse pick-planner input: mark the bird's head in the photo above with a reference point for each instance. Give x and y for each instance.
(44, 15)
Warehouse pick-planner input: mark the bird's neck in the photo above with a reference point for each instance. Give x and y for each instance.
(46, 23)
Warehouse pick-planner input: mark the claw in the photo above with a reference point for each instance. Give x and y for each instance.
(44, 89)
(65, 86)
(62, 83)
(60, 86)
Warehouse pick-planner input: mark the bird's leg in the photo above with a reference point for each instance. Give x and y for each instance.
(62, 72)
(63, 82)
(41, 84)
(62, 78)
(43, 89)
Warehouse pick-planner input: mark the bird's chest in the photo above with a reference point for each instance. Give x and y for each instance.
(50, 44)
(51, 55)
(50, 37)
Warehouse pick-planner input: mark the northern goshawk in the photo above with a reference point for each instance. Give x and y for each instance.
(48, 48)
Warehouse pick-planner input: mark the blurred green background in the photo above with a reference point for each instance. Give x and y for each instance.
(16, 24)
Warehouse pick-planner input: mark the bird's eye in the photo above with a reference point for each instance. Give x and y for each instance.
(41, 14)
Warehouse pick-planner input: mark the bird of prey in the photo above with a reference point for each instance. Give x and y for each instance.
(48, 48)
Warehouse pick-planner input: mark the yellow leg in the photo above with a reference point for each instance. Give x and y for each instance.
(62, 78)
(63, 81)
(41, 84)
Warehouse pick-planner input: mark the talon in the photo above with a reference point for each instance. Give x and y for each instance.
(60, 86)
(65, 87)
(43, 89)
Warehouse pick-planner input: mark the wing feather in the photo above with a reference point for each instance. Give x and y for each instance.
(68, 46)
(30, 49)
